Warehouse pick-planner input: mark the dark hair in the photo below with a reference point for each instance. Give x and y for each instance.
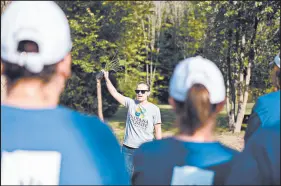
(195, 110)
(278, 79)
(14, 72)
(143, 83)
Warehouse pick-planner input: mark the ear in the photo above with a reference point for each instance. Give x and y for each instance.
(172, 103)
(220, 106)
(64, 66)
(148, 93)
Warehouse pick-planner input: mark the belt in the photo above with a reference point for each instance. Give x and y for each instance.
(129, 147)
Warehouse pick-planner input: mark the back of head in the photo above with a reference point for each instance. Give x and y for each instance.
(35, 36)
(276, 71)
(197, 86)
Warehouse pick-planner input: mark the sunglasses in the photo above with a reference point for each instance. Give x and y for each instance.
(142, 91)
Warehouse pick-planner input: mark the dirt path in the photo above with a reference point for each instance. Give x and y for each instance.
(234, 141)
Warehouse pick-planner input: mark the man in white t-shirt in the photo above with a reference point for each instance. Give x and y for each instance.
(143, 119)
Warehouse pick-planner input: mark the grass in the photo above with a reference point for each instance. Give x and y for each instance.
(117, 122)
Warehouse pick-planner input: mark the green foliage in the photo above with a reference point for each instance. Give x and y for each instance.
(151, 35)
(88, 54)
(80, 94)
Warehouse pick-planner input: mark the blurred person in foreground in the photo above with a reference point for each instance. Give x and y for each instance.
(43, 143)
(259, 163)
(193, 156)
(143, 119)
(267, 108)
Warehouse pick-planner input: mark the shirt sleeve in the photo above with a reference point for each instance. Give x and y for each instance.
(128, 102)
(253, 124)
(157, 117)
(251, 166)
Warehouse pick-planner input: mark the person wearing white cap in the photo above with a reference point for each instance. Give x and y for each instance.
(266, 111)
(43, 143)
(193, 156)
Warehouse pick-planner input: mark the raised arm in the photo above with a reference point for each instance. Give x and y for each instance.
(112, 90)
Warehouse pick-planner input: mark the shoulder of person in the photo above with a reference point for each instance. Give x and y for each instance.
(77, 114)
(155, 146)
(85, 120)
(154, 106)
(100, 140)
(131, 100)
(262, 103)
(265, 138)
(266, 134)
(269, 96)
(224, 153)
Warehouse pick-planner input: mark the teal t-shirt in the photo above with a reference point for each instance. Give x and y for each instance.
(266, 113)
(174, 162)
(58, 146)
(268, 108)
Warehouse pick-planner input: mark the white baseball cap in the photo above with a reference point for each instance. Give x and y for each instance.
(42, 22)
(197, 70)
(276, 60)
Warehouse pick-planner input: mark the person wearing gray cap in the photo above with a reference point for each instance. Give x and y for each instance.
(259, 163)
(266, 111)
(43, 143)
(193, 156)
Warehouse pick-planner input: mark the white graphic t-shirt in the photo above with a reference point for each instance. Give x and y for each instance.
(140, 122)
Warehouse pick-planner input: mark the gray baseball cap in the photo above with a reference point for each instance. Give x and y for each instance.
(276, 60)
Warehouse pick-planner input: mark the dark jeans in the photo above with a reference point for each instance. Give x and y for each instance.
(128, 155)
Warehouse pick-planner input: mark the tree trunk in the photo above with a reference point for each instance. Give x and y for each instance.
(240, 93)
(229, 106)
(251, 58)
(4, 5)
(152, 43)
(147, 73)
(146, 37)
(152, 82)
(242, 110)
(99, 96)
(241, 76)
(151, 67)
(231, 87)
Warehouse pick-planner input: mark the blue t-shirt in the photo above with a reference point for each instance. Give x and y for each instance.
(171, 161)
(268, 108)
(58, 146)
(259, 163)
(265, 113)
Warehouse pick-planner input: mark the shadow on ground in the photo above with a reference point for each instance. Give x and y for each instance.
(117, 123)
